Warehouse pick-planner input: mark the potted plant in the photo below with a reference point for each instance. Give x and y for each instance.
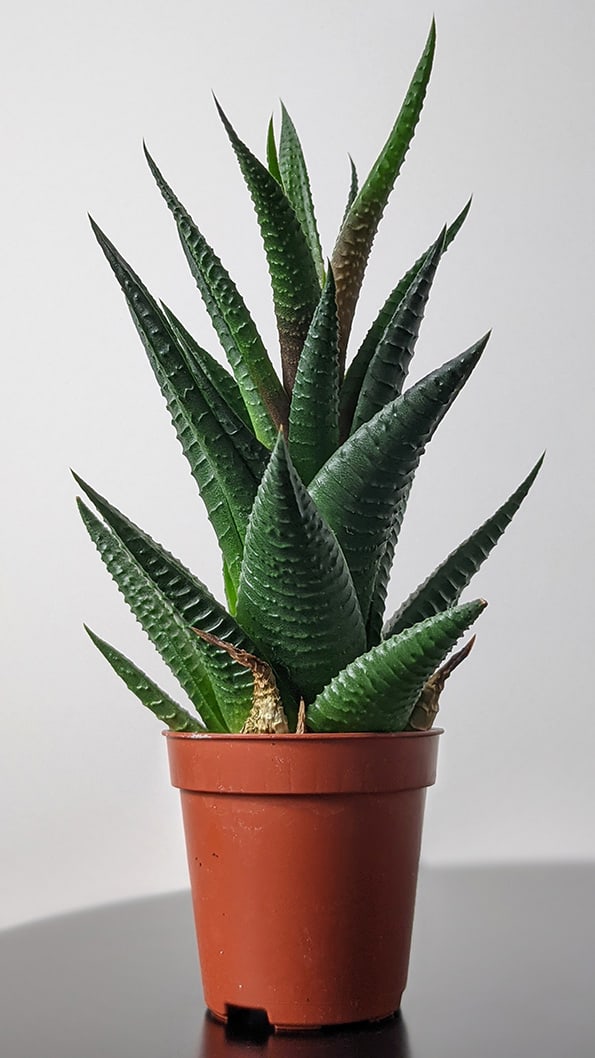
(304, 761)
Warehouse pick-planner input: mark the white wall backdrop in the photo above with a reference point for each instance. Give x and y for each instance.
(86, 811)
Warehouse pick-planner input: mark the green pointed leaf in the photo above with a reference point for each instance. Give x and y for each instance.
(225, 458)
(158, 701)
(444, 586)
(296, 183)
(378, 691)
(388, 367)
(296, 597)
(272, 156)
(219, 378)
(314, 412)
(360, 490)
(166, 629)
(261, 389)
(353, 190)
(226, 685)
(296, 289)
(383, 573)
(352, 250)
(358, 367)
(231, 593)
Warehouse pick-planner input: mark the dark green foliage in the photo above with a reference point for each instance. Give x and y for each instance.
(305, 482)
(295, 284)
(444, 586)
(378, 691)
(314, 414)
(296, 598)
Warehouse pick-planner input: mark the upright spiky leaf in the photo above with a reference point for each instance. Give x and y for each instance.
(224, 456)
(164, 626)
(444, 586)
(353, 189)
(296, 288)
(352, 250)
(383, 573)
(314, 413)
(261, 390)
(158, 701)
(378, 691)
(296, 596)
(356, 372)
(272, 155)
(219, 378)
(360, 490)
(296, 183)
(389, 365)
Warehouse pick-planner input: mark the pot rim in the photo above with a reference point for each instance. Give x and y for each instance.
(291, 736)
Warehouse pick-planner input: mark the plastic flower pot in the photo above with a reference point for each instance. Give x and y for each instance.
(303, 853)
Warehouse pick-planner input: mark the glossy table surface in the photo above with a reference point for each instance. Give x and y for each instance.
(503, 966)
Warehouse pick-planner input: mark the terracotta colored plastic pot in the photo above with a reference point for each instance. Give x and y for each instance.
(303, 853)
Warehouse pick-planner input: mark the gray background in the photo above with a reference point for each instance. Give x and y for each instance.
(86, 814)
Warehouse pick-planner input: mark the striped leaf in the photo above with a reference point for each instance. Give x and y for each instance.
(444, 586)
(296, 597)
(379, 690)
(314, 413)
(358, 367)
(360, 490)
(354, 243)
(388, 368)
(224, 456)
(296, 184)
(226, 684)
(261, 389)
(383, 573)
(219, 378)
(295, 285)
(158, 701)
(175, 641)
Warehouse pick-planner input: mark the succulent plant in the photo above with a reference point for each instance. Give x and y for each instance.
(305, 479)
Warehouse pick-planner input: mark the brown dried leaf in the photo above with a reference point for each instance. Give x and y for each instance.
(267, 716)
(426, 707)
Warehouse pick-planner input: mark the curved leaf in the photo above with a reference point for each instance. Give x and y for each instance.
(296, 596)
(354, 243)
(261, 389)
(226, 684)
(296, 289)
(296, 183)
(360, 490)
(314, 412)
(158, 701)
(177, 644)
(389, 365)
(444, 586)
(225, 458)
(356, 371)
(379, 690)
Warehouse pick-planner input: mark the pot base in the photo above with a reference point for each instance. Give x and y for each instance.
(254, 1021)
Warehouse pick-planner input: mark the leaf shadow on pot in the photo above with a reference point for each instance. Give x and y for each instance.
(387, 1039)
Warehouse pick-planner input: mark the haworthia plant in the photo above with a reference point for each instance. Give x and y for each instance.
(305, 480)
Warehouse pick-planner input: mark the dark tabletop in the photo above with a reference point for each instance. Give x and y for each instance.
(503, 966)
